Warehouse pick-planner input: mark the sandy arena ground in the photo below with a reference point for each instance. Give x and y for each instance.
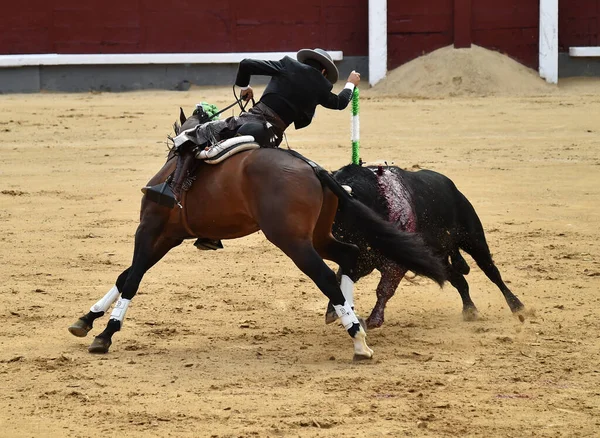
(233, 343)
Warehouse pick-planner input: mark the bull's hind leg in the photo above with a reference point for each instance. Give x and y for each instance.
(491, 271)
(480, 252)
(469, 311)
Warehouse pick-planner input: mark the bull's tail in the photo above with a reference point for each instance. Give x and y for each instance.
(406, 249)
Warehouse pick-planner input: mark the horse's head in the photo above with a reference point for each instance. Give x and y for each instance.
(199, 117)
(185, 122)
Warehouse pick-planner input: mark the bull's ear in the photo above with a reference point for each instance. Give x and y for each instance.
(182, 117)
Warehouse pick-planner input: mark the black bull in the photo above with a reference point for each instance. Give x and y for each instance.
(424, 202)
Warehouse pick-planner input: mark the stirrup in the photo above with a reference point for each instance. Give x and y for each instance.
(162, 194)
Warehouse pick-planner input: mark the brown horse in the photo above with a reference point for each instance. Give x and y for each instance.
(292, 200)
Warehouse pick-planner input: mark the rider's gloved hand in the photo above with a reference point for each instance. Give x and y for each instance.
(247, 93)
(354, 78)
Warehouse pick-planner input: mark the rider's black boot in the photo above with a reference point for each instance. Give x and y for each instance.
(161, 194)
(168, 193)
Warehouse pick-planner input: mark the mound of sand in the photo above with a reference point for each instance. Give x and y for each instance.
(461, 72)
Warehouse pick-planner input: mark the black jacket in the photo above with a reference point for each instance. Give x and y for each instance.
(295, 89)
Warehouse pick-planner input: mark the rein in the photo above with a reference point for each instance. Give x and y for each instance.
(238, 100)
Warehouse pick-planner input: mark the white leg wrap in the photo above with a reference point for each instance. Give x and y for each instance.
(347, 287)
(346, 315)
(106, 301)
(120, 310)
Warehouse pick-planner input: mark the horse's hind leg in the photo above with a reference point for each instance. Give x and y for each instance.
(306, 258)
(344, 254)
(150, 247)
(83, 325)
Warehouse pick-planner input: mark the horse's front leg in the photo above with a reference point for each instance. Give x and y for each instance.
(150, 247)
(151, 244)
(83, 325)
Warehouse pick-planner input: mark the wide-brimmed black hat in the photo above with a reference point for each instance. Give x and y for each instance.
(323, 58)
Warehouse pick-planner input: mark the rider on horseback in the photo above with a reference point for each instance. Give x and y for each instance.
(291, 96)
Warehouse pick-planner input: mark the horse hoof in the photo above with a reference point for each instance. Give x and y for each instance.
(361, 357)
(99, 346)
(330, 317)
(80, 328)
(470, 314)
(361, 349)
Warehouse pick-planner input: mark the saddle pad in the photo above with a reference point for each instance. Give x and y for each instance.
(184, 137)
(226, 148)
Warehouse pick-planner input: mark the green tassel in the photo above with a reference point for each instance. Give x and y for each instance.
(355, 106)
(210, 109)
(355, 152)
(355, 144)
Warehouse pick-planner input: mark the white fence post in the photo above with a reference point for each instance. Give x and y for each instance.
(377, 40)
(548, 51)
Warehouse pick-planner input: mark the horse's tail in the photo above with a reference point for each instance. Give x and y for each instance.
(406, 249)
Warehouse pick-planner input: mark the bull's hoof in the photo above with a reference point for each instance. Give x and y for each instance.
(99, 345)
(80, 328)
(373, 323)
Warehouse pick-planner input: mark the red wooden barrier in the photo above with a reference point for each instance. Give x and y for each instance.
(417, 28)
(148, 26)
(578, 23)
(414, 27)
(462, 24)
(508, 26)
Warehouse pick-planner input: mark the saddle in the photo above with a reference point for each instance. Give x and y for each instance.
(190, 147)
(251, 135)
(226, 148)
